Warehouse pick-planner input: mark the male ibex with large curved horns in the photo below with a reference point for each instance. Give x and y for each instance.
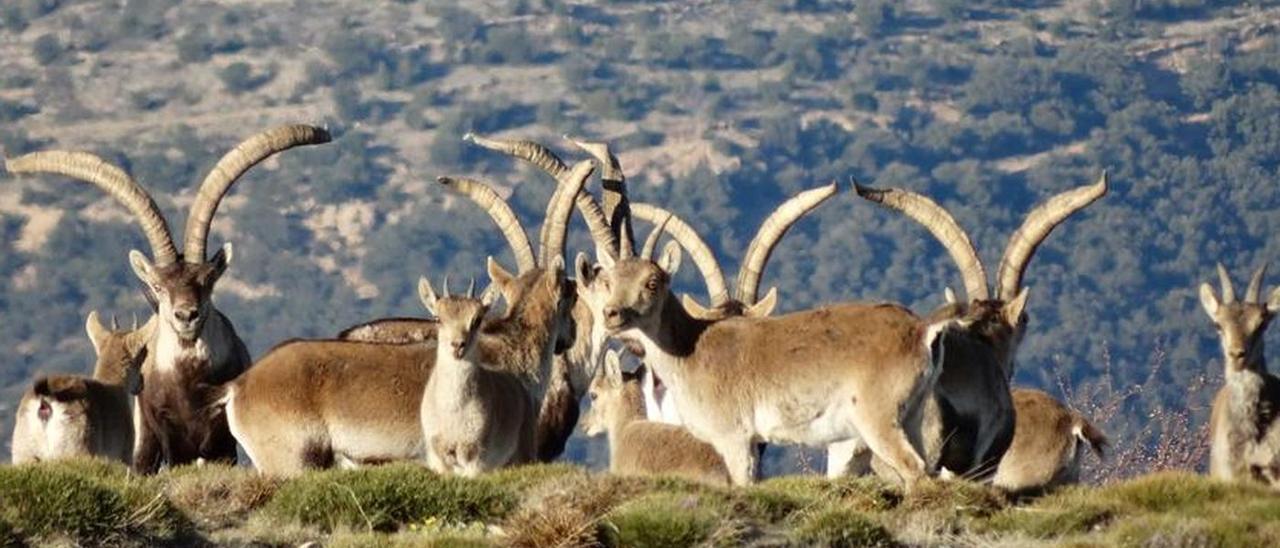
(973, 405)
(1244, 427)
(195, 348)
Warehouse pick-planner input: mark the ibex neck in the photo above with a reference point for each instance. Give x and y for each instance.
(676, 333)
(522, 346)
(452, 374)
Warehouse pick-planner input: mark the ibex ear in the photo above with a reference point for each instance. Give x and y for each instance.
(765, 306)
(497, 274)
(1273, 303)
(950, 295)
(428, 295)
(1210, 301)
(97, 332)
(612, 368)
(221, 259)
(582, 269)
(142, 268)
(488, 296)
(670, 260)
(1013, 309)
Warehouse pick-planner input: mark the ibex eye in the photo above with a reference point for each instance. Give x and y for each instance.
(652, 284)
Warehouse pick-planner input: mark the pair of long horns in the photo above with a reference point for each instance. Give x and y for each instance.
(771, 231)
(1017, 254)
(115, 182)
(1252, 295)
(555, 227)
(602, 231)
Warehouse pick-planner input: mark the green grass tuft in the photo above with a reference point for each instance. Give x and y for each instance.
(662, 520)
(382, 498)
(842, 527)
(523, 478)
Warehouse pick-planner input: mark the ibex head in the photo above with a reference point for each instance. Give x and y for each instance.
(612, 392)
(633, 289)
(459, 316)
(120, 352)
(178, 284)
(1241, 324)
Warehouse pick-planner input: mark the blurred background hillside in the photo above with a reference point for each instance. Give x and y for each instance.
(719, 111)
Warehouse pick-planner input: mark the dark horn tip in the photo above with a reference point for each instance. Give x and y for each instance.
(867, 192)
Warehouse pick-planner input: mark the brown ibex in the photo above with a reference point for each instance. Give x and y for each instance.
(971, 421)
(644, 447)
(1244, 427)
(62, 416)
(840, 372)
(1048, 443)
(314, 403)
(195, 348)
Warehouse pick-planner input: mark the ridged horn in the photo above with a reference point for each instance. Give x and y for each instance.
(944, 228)
(487, 199)
(229, 169)
(1254, 293)
(549, 162)
(560, 210)
(1039, 223)
(625, 249)
(771, 231)
(698, 249)
(112, 180)
(1228, 290)
(651, 243)
(617, 207)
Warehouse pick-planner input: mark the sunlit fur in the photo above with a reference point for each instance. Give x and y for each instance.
(1049, 442)
(1244, 427)
(840, 372)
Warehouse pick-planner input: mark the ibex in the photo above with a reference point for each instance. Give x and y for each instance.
(474, 419)
(314, 403)
(971, 421)
(643, 447)
(195, 348)
(1244, 426)
(1048, 443)
(840, 372)
(62, 416)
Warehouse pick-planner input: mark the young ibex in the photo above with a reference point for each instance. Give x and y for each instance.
(314, 403)
(644, 447)
(474, 419)
(1049, 441)
(62, 416)
(971, 420)
(840, 372)
(195, 348)
(1244, 427)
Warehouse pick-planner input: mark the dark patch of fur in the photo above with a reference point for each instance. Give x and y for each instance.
(317, 454)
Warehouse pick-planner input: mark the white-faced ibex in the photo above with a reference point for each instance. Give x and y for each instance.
(195, 348)
(840, 372)
(644, 447)
(63, 416)
(971, 421)
(1244, 429)
(314, 403)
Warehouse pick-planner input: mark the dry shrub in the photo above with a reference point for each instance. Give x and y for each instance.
(218, 495)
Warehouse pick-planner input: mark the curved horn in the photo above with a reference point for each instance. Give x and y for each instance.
(112, 180)
(1039, 223)
(1254, 293)
(229, 169)
(546, 160)
(943, 227)
(698, 249)
(625, 249)
(561, 209)
(651, 243)
(484, 196)
(617, 208)
(1228, 290)
(771, 231)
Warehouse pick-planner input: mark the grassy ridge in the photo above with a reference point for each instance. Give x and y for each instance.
(93, 503)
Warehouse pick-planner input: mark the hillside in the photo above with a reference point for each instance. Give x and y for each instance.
(719, 111)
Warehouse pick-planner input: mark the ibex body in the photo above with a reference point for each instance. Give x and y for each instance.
(195, 348)
(638, 446)
(1049, 442)
(63, 416)
(1244, 427)
(474, 419)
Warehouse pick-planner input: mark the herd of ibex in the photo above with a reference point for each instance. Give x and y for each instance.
(482, 385)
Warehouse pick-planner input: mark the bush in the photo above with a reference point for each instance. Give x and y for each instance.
(239, 77)
(384, 497)
(47, 49)
(218, 495)
(842, 527)
(662, 520)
